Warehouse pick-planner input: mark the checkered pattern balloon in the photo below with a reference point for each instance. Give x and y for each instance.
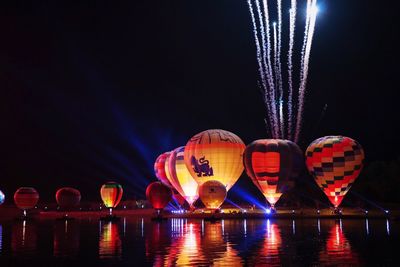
(335, 162)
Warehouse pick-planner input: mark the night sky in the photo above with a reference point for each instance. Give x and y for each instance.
(95, 92)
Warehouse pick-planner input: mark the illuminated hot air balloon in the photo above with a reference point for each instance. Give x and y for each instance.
(68, 197)
(212, 194)
(215, 155)
(111, 194)
(180, 177)
(26, 198)
(271, 163)
(2, 197)
(159, 169)
(335, 162)
(159, 195)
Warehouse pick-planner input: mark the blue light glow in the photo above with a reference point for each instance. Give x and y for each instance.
(2, 198)
(268, 211)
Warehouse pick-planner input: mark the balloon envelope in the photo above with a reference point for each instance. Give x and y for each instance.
(180, 177)
(212, 194)
(159, 169)
(111, 194)
(158, 194)
(270, 165)
(68, 197)
(335, 162)
(26, 198)
(2, 197)
(215, 155)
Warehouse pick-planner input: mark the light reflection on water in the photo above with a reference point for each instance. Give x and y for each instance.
(110, 242)
(190, 242)
(338, 249)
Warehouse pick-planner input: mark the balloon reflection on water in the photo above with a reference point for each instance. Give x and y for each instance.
(110, 245)
(24, 238)
(270, 251)
(338, 249)
(185, 249)
(200, 243)
(66, 239)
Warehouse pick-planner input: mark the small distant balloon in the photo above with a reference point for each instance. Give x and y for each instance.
(26, 198)
(68, 197)
(159, 195)
(335, 162)
(2, 197)
(212, 194)
(111, 194)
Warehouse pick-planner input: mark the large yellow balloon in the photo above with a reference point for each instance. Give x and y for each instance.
(215, 155)
(212, 194)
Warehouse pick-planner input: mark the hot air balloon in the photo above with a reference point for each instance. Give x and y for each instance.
(2, 197)
(68, 198)
(26, 198)
(215, 155)
(180, 177)
(271, 163)
(159, 169)
(159, 195)
(111, 194)
(335, 162)
(212, 194)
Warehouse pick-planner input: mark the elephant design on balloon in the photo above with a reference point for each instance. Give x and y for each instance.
(201, 167)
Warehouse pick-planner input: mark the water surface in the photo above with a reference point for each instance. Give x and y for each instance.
(188, 242)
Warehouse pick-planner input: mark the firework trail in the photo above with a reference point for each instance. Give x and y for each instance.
(270, 75)
(292, 28)
(259, 58)
(279, 66)
(268, 100)
(312, 14)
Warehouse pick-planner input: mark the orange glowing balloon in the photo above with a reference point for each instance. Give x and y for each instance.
(111, 194)
(212, 194)
(215, 155)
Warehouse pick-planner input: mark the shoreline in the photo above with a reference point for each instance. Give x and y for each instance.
(347, 213)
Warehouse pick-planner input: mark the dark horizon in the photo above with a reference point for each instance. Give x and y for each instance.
(92, 93)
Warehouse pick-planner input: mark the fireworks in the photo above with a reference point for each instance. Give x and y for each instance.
(283, 120)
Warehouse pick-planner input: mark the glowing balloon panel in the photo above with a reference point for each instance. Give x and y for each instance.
(111, 194)
(159, 168)
(335, 162)
(26, 198)
(180, 176)
(158, 194)
(215, 155)
(212, 194)
(68, 197)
